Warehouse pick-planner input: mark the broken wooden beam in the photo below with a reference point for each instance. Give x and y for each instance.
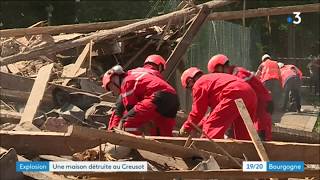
(73, 28)
(77, 65)
(37, 143)
(182, 46)
(137, 142)
(251, 130)
(188, 174)
(260, 12)
(277, 151)
(36, 94)
(109, 34)
(26, 142)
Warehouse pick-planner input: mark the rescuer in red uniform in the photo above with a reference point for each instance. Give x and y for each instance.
(269, 74)
(217, 91)
(291, 81)
(150, 101)
(154, 64)
(220, 64)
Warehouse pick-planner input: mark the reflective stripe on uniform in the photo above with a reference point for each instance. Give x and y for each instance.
(131, 129)
(235, 72)
(249, 77)
(128, 93)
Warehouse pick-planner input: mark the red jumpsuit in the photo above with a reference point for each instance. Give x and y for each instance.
(148, 98)
(120, 110)
(218, 91)
(264, 120)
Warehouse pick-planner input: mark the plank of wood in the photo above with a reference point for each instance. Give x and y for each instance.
(110, 34)
(37, 93)
(77, 65)
(89, 69)
(33, 143)
(73, 28)
(277, 151)
(26, 142)
(91, 135)
(38, 24)
(137, 142)
(216, 174)
(182, 47)
(20, 83)
(252, 132)
(66, 70)
(260, 12)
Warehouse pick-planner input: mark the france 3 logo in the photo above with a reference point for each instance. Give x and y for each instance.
(296, 20)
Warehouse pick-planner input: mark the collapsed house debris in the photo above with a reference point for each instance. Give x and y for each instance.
(54, 108)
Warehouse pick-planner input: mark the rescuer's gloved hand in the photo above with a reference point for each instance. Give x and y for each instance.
(183, 132)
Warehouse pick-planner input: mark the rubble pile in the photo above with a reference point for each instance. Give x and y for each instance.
(52, 103)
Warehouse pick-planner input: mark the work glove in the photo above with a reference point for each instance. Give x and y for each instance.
(270, 107)
(183, 132)
(120, 125)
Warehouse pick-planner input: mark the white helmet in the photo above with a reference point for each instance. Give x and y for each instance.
(106, 79)
(266, 56)
(280, 64)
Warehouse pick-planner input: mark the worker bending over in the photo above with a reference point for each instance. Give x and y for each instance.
(217, 91)
(269, 74)
(150, 102)
(291, 81)
(221, 64)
